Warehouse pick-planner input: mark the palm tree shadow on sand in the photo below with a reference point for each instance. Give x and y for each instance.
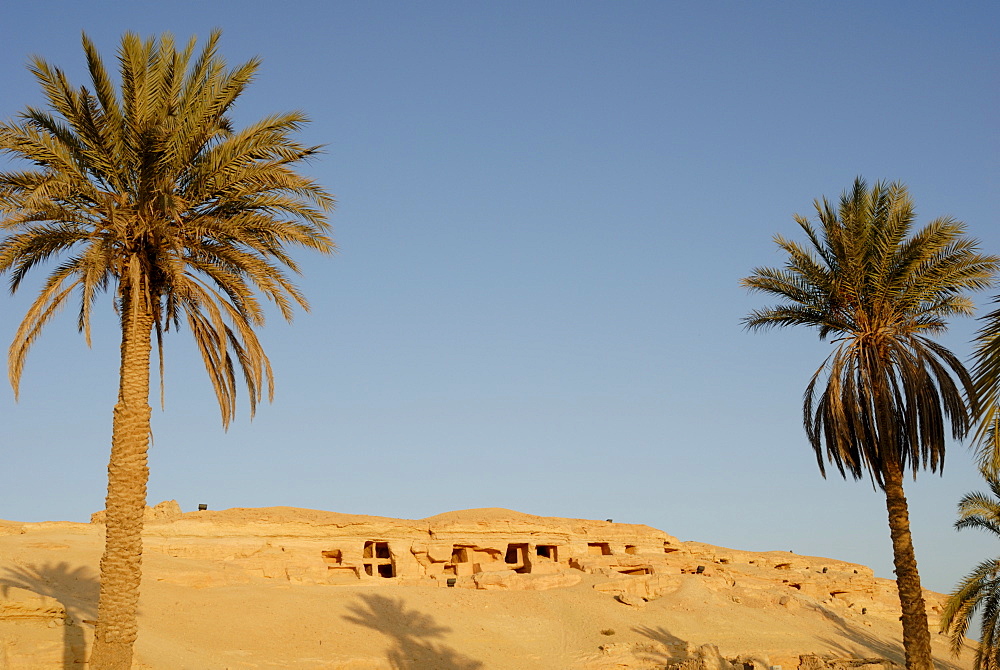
(412, 632)
(869, 643)
(675, 649)
(76, 588)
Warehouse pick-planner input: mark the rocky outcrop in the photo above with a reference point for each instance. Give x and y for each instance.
(165, 511)
(573, 593)
(500, 549)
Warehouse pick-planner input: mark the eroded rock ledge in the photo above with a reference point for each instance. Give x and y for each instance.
(500, 549)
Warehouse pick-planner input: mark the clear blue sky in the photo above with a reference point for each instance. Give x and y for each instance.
(544, 212)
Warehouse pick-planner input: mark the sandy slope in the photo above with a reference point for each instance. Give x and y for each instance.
(276, 624)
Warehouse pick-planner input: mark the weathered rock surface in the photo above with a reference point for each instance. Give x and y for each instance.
(19, 604)
(484, 589)
(166, 510)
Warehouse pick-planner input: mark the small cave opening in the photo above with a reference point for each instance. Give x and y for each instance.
(549, 551)
(377, 559)
(598, 548)
(516, 558)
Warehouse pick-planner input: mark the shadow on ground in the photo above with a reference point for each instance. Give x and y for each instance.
(676, 648)
(869, 643)
(76, 589)
(413, 634)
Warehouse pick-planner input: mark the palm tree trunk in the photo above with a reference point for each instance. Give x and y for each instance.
(121, 565)
(916, 633)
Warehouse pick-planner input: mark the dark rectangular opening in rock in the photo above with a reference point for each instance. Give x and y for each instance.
(515, 554)
(516, 557)
(548, 551)
(377, 559)
(598, 549)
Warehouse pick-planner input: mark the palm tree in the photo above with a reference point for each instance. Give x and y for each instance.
(150, 194)
(882, 400)
(980, 589)
(986, 373)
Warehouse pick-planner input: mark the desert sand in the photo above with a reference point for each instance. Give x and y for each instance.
(477, 589)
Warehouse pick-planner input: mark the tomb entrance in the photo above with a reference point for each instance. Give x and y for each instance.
(377, 559)
(598, 548)
(549, 551)
(516, 558)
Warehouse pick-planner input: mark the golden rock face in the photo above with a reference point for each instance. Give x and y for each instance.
(490, 586)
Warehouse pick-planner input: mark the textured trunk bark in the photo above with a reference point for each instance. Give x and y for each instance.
(916, 634)
(121, 564)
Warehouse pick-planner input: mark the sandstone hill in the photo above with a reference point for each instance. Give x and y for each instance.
(476, 589)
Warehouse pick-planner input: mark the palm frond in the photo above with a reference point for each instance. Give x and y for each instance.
(979, 591)
(888, 394)
(146, 191)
